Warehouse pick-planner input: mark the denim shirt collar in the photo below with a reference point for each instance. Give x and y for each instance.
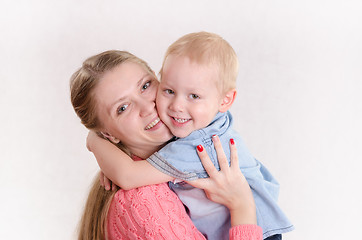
(220, 123)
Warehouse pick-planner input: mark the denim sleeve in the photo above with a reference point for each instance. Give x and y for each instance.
(164, 166)
(179, 158)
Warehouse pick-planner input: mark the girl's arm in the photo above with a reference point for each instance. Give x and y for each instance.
(223, 187)
(120, 168)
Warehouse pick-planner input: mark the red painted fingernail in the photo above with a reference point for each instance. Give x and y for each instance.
(232, 141)
(200, 148)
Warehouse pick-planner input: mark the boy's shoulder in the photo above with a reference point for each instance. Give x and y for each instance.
(220, 125)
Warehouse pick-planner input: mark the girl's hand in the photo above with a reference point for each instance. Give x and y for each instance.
(227, 186)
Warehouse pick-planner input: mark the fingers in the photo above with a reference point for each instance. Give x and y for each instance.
(210, 183)
(101, 178)
(234, 160)
(206, 162)
(221, 157)
(104, 181)
(114, 187)
(107, 183)
(202, 183)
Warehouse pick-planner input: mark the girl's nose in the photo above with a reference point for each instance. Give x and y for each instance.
(147, 103)
(147, 107)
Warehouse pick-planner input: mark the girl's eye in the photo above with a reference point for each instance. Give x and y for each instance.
(146, 85)
(194, 96)
(122, 108)
(169, 91)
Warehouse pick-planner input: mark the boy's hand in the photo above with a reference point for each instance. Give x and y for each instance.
(106, 183)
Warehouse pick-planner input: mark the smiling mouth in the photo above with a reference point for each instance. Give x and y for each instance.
(152, 124)
(181, 120)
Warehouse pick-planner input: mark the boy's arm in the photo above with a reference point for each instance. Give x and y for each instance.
(120, 168)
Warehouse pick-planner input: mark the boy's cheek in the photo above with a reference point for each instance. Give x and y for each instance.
(160, 104)
(158, 98)
(158, 91)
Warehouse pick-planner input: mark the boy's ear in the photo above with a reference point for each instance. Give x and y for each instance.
(110, 137)
(228, 100)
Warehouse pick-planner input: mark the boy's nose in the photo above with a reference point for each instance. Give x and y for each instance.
(177, 105)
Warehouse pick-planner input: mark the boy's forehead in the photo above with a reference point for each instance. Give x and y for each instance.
(185, 67)
(208, 67)
(192, 59)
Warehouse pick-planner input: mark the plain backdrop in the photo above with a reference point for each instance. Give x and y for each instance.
(298, 105)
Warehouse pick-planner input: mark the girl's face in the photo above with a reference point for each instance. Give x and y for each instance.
(125, 98)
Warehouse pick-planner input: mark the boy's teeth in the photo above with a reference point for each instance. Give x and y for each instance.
(152, 124)
(180, 120)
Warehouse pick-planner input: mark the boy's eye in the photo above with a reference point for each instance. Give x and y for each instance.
(194, 96)
(146, 85)
(122, 108)
(169, 91)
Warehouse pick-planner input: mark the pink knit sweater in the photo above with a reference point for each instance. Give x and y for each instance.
(155, 212)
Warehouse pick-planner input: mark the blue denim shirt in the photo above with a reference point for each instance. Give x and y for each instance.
(179, 159)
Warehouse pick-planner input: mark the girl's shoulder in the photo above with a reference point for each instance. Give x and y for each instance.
(150, 210)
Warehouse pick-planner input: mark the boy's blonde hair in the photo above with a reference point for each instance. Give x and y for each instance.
(207, 49)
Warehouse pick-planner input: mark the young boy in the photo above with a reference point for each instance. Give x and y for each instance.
(198, 81)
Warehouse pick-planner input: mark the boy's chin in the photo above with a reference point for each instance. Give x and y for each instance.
(181, 134)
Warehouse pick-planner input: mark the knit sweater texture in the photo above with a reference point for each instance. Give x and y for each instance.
(155, 212)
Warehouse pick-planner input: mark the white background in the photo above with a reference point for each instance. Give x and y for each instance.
(298, 106)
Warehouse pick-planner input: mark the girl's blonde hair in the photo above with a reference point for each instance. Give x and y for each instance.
(82, 85)
(207, 49)
(94, 218)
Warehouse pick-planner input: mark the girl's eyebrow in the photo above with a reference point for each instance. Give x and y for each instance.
(139, 83)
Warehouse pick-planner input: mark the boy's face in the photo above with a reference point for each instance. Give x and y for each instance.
(187, 98)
